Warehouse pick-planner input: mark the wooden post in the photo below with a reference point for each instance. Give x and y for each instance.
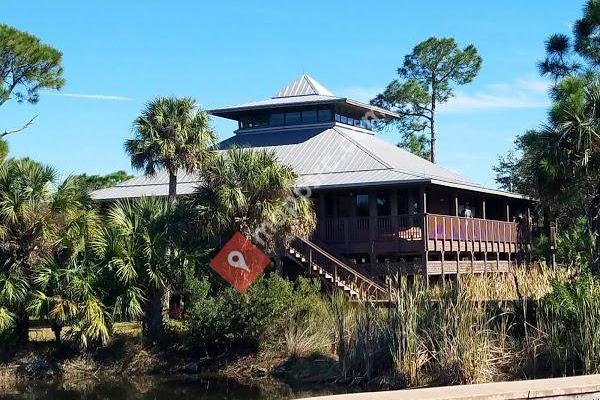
(442, 267)
(482, 237)
(423, 199)
(458, 267)
(423, 209)
(455, 202)
(483, 212)
(372, 227)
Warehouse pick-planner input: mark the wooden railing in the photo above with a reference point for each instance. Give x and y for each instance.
(411, 228)
(446, 227)
(365, 229)
(315, 257)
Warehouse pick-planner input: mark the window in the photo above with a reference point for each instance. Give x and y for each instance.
(344, 204)
(293, 118)
(324, 115)
(297, 116)
(329, 206)
(362, 205)
(384, 206)
(277, 119)
(309, 116)
(403, 206)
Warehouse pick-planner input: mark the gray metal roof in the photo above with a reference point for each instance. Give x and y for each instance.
(325, 156)
(304, 85)
(305, 90)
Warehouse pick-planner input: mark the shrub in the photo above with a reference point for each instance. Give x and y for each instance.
(219, 318)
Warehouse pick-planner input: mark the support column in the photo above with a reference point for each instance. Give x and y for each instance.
(422, 200)
(423, 209)
(458, 240)
(395, 219)
(372, 227)
(484, 216)
(455, 204)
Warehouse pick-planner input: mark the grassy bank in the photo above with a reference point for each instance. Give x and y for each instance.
(527, 324)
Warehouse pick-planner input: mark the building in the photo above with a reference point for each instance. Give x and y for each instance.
(380, 209)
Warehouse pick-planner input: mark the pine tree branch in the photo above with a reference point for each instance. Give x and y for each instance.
(23, 127)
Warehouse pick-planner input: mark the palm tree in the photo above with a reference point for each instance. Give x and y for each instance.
(32, 215)
(69, 281)
(250, 191)
(135, 244)
(171, 134)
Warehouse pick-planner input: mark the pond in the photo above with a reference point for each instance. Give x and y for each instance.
(160, 388)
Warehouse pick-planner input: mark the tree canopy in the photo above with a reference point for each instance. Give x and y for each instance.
(426, 79)
(94, 182)
(172, 134)
(26, 66)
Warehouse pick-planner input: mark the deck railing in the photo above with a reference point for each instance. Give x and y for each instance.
(365, 229)
(412, 228)
(447, 227)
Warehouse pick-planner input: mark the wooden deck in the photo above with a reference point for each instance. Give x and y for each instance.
(422, 232)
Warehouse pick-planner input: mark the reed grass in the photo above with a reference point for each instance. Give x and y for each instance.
(528, 323)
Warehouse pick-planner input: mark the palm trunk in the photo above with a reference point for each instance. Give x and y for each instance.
(57, 329)
(166, 295)
(22, 327)
(172, 187)
(154, 317)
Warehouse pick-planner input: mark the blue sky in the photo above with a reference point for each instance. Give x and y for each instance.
(120, 54)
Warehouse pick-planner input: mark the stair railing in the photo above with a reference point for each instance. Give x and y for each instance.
(340, 272)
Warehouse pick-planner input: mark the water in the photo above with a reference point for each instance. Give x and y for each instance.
(159, 388)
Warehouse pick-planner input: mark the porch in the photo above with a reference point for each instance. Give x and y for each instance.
(433, 238)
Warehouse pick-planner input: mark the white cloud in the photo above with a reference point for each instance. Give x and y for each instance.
(93, 96)
(520, 93)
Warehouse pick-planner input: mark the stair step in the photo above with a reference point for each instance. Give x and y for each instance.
(350, 287)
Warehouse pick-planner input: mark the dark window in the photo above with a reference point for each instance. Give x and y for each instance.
(344, 119)
(362, 205)
(329, 206)
(292, 118)
(324, 115)
(338, 117)
(309, 116)
(403, 203)
(384, 207)
(276, 119)
(344, 203)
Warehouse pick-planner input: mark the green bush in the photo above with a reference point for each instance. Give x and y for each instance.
(569, 318)
(219, 318)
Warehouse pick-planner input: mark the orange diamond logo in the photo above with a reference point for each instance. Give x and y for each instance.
(239, 262)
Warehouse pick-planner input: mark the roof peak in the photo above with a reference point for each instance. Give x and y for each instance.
(304, 85)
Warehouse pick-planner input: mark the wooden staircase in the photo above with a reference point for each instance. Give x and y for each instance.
(336, 272)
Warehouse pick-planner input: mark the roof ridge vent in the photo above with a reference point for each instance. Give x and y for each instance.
(305, 85)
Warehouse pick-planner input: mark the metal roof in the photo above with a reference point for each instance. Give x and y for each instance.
(305, 90)
(324, 156)
(304, 85)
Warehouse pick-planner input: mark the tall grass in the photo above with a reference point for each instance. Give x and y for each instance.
(529, 323)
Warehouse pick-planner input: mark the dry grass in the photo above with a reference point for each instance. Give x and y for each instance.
(531, 283)
(123, 329)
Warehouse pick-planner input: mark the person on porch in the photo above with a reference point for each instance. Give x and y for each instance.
(468, 213)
